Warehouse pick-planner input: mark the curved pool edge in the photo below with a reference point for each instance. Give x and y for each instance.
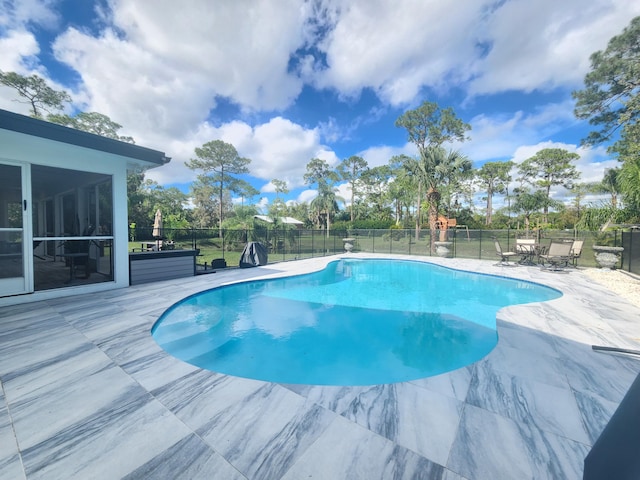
(324, 263)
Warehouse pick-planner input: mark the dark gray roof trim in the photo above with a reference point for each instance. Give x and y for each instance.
(52, 131)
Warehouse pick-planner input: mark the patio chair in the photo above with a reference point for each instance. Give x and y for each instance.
(558, 256)
(576, 251)
(504, 256)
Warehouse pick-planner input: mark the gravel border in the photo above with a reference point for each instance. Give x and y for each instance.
(625, 284)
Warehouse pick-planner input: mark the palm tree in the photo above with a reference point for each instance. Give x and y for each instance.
(611, 184)
(436, 169)
(319, 172)
(326, 203)
(453, 171)
(630, 183)
(528, 203)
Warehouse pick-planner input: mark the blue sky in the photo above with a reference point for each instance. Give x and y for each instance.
(285, 81)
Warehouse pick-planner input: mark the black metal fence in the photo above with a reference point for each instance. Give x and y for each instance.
(293, 244)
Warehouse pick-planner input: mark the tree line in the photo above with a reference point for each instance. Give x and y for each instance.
(438, 180)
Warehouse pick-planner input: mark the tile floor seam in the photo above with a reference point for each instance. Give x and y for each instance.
(317, 439)
(117, 365)
(13, 428)
(393, 442)
(462, 411)
(177, 418)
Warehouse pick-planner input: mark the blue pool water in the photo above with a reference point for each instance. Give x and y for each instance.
(357, 322)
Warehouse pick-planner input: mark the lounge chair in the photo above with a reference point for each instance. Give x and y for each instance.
(558, 256)
(504, 256)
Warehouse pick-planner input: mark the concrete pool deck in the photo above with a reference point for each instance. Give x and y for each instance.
(87, 393)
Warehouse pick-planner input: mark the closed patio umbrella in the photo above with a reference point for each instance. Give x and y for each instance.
(157, 226)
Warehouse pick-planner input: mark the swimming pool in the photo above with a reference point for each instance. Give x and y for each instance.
(357, 322)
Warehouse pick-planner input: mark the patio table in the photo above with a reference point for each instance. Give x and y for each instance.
(529, 251)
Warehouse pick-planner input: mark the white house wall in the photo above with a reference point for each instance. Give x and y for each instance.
(19, 147)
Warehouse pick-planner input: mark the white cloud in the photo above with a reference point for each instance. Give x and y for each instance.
(161, 65)
(8, 101)
(397, 47)
(593, 163)
(18, 13)
(268, 188)
(546, 44)
(19, 49)
(497, 136)
(278, 149)
(306, 196)
(344, 191)
(281, 149)
(242, 47)
(132, 86)
(263, 205)
(381, 154)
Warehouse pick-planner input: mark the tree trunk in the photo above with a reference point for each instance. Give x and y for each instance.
(352, 197)
(433, 197)
(220, 207)
(546, 205)
(489, 216)
(328, 223)
(418, 213)
(220, 212)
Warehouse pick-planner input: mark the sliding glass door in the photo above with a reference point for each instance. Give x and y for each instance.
(55, 228)
(14, 255)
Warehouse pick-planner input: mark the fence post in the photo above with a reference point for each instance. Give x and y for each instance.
(629, 254)
(455, 237)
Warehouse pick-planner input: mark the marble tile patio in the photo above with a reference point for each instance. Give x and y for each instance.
(87, 393)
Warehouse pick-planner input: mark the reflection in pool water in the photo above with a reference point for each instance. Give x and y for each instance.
(357, 322)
